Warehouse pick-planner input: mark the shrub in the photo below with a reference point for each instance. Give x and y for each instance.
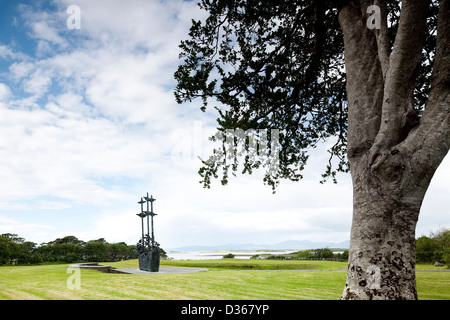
(446, 259)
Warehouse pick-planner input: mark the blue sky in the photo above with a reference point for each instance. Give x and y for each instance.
(89, 124)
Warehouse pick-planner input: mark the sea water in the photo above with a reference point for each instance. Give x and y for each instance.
(219, 255)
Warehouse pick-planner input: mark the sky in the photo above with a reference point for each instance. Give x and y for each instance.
(89, 125)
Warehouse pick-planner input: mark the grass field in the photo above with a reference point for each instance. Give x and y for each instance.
(320, 280)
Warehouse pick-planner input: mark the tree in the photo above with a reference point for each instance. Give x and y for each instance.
(11, 245)
(26, 253)
(434, 248)
(426, 249)
(95, 250)
(68, 249)
(442, 238)
(14, 249)
(68, 240)
(375, 75)
(323, 253)
(343, 255)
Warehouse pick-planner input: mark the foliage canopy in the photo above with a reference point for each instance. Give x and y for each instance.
(279, 64)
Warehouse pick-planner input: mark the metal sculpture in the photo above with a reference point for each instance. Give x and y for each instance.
(147, 248)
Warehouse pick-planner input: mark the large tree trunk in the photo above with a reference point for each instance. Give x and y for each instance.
(392, 154)
(382, 254)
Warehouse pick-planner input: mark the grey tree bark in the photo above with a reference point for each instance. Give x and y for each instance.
(393, 154)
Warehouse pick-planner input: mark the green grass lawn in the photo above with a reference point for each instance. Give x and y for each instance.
(243, 264)
(326, 283)
(254, 264)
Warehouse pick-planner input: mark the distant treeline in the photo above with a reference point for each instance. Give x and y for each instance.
(313, 254)
(435, 248)
(15, 250)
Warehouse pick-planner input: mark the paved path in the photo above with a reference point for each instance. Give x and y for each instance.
(162, 270)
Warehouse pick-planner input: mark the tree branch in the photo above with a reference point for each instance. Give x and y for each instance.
(441, 71)
(384, 48)
(364, 80)
(398, 114)
(426, 145)
(408, 45)
(430, 142)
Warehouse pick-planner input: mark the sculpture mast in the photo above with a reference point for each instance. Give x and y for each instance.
(142, 215)
(152, 214)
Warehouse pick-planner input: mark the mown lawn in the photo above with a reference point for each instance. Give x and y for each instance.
(50, 282)
(254, 264)
(243, 264)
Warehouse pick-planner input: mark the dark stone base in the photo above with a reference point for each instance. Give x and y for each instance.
(149, 260)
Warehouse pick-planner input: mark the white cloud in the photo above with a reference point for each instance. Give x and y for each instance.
(134, 24)
(61, 154)
(5, 92)
(20, 70)
(44, 28)
(6, 52)
(86, 133)
(38, 83)
(25, 230)
(42, 31)
(434, 212)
